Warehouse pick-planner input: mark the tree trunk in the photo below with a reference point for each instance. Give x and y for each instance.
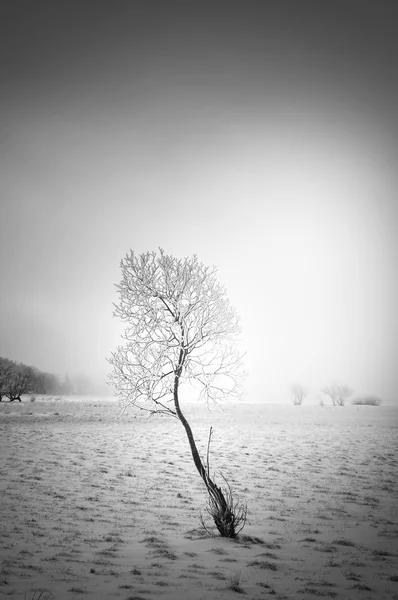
(212, 488)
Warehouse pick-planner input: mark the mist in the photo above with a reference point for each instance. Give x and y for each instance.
(260, 136)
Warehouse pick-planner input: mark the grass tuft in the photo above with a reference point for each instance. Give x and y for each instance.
(263, 564)
(234, 583)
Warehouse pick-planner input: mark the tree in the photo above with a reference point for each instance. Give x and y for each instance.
(298, 394)
(20, 382)
(180, 327)
(31, 379)
(338, 393)
(47, 383)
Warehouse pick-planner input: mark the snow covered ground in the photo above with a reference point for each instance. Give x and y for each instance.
(102, 507)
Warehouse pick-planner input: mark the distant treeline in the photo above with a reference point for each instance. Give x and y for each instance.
(17, 379)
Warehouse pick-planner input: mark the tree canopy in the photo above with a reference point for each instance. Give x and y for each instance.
(179, 323)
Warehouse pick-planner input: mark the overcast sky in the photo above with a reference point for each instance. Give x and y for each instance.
(261, 136)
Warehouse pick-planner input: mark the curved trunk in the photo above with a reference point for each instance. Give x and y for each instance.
(212, 488)
(222, 514)
(194, 451)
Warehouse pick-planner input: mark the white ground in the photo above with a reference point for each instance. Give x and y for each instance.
(97, 507)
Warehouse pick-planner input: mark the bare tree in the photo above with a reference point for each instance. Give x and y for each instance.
(338, 393)
(298, 394)
(180, 327)
(20, 382)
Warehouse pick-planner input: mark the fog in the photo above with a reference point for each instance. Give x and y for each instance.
(260, 136)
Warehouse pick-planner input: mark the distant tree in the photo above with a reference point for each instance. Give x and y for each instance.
(298, 394)
(20, 382)
(338, 393)
(46, 383)
(180, 327)
(367, 401)
(52, 384)
(13, 374)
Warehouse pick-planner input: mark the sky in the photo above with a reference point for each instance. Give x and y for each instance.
(261, 136)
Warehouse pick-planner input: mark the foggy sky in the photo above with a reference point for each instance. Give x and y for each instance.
(261, 136)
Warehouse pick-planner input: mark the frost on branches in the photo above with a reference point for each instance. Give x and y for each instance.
(180, 326)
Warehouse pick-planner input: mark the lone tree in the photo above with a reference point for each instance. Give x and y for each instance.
(180, 327)
(338, 393)
(298, 394)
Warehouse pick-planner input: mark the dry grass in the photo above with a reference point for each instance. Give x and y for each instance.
(102, 508)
